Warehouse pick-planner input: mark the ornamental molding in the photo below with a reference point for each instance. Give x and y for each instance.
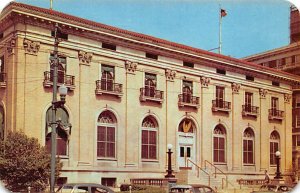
(130, 67)
(235, 88)
(170, 75)
(85, 58)
(263, 93)
(31, 47)
(287, 98)
(11, 44)
(205, 81)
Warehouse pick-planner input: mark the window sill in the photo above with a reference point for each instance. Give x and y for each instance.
(106, 159)
(248, 164)
(220, 163)
(150, 160)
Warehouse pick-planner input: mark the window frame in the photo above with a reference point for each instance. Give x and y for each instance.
(148, 129)
(248, 138)
(274, 141)
(218, 149)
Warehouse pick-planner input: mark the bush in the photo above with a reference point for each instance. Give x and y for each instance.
(24, 163)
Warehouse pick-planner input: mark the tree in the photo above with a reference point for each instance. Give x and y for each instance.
(24, 162)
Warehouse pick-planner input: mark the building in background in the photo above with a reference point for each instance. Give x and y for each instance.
(129, 95)
(287, 59)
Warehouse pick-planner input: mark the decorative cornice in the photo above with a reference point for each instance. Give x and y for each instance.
(204, 81)
(130, 67)
(31, 47)
(287, 98)
(263, 93)
(85, 58)
(170, 75)
(235, 88)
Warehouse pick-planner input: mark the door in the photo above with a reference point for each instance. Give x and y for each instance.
(185, 153)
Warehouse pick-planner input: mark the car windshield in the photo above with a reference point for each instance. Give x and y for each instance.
(181, 190)
(65, 189)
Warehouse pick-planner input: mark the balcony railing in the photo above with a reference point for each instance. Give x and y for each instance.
(68, 80)
(249, 110)
(275, 114)
(220, 105)
(151, 95)
(108, 87)
(188, 100)
(3, 80)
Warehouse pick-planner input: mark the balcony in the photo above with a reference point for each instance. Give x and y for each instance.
(220, 105)
(68, 80)
(151, 95)
(186, 100)
(249, 110)
(275, 114)
(2, 80)
(108, 87)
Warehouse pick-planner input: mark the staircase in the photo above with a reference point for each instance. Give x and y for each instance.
(208, 175)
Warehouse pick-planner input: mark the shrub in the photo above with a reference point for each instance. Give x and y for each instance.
(24, 163)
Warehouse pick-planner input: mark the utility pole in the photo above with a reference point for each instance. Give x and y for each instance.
(54, 100)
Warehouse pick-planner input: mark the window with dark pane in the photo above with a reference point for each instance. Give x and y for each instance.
(107, 77)
(149, 138)
(150, 84)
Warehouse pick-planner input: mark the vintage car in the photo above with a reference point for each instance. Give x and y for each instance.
(84, 188)
(270, 188)
(191, 189)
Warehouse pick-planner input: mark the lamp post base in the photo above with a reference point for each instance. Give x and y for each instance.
(278, 181)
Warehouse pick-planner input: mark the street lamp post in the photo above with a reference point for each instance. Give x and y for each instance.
(278, 173)
(169, 170)
(55, 104)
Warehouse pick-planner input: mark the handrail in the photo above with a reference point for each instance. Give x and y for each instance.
(198, 167)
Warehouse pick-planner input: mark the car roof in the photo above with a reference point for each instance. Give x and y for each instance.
(199, 185)
(181, 186)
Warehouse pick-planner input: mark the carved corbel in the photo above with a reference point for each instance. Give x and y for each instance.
(235, 88)
(263, 93)
(11, 45)
(287, 98)
(31, 47)
(85, 58)
(204, 81)
(170, 74)
(130, 67)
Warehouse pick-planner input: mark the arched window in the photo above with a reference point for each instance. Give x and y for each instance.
(186, 126)
(2, 121)
(274, 146)
(106, 135)
(63, 131)
(248, 146)
(219, 144)
(149, 138)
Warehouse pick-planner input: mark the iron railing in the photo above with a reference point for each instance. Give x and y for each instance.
(188, 99)
(250, 109)
(62, 78)
(276, 113)
(151, 94)
(109, 86)
(221, 105)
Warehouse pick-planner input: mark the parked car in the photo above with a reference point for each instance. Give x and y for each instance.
(270, 188)
(84, 188)
(191, 189)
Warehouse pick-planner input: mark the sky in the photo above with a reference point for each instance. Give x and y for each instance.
(250, 26)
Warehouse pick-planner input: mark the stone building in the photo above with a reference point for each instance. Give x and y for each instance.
(129, 95)
(287, 59)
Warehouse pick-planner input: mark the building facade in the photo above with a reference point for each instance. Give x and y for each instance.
(287, 59)
(129, 95)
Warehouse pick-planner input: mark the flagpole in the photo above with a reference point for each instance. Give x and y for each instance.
(51, 3)
(220, 29)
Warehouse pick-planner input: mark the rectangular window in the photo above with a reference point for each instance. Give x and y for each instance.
(248, 151)
(275, 83)
(297, 102)
(149, 142)
(60, 35)
(273, 64)
(219, 149)
(151, 56)
(298, 120)
(283, 62)
(188, 64)
(150, 84)
(107, 77)
(220, 94)
(61, 71)
(106, 142)
(274, 103)
(111, 182)
(294, 143)
(109, 46)
(250, 78)
(2, 64)
(273, 149)
(293, 59)
(1, 35)
(248, 101)
(221, 71)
